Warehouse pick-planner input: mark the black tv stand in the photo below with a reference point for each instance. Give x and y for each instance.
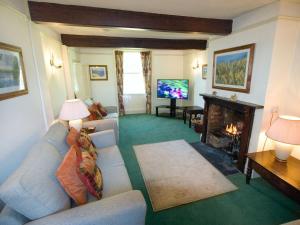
(173, 108)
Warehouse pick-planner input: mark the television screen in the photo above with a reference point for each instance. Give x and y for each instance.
(173, 88)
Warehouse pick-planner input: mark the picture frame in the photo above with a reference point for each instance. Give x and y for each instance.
(204, 71)
(232, 68)
(13, 81)
(98, 72)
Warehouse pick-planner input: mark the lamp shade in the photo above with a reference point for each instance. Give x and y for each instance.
(73, 110)
(285, 129)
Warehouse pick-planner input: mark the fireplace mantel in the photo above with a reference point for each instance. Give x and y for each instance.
(247, 112)
(238, 105)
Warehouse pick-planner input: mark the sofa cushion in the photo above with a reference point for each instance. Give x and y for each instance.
(115, 181)
(68, 178)
(111, 109)
(72, 136)
(86, 144)
(109, 157)
(9, 216)
(101, 109)
(114, 173)
(88, 172)
(111, 116)
(95, 114)
(33, 189)
(56, 136)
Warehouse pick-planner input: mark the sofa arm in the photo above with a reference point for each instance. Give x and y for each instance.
(12, 217)
(102, 125)
(104, 139)
(128, 208)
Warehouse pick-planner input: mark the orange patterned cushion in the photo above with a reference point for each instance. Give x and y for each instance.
(94, 113)
(89, 173)
(72, 137)
(86, 144)
(69, 179)
(101, 109)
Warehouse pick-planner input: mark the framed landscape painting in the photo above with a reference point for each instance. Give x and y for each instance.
(12, 73)
(98, 72)
(232, 68)
(204, 71)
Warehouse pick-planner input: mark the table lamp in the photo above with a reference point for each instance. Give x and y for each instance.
(285, 131)
(74, 110)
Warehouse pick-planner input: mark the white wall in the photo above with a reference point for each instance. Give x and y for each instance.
(262, 36)
(197, 84)
(165, 64)
(283, 90)
(55, 78)
(273, 83)
(25, 119)
(103, 91)
(21, 118)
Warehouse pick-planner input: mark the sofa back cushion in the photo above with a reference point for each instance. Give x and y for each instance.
(33, 189)
(56, 136)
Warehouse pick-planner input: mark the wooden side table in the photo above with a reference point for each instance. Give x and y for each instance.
(284, 176)
(191, 110)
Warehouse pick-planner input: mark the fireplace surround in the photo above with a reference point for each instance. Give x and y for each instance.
(228, 125)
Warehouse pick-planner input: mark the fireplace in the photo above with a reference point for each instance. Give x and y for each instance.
(227, 125)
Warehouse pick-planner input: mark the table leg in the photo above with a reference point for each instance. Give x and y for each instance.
(184, 116)
(190, 120)
(249, 172)
(156, 111)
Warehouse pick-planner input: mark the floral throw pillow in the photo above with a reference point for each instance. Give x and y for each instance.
(86, 144)
(89, 173)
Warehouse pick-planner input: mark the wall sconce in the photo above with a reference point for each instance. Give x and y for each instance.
(197, 66)
(55, 62)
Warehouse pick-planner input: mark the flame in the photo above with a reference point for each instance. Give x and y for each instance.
(231, 129)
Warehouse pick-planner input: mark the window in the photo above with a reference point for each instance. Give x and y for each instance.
(133, 79)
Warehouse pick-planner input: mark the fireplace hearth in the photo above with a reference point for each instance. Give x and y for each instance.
(227, 125)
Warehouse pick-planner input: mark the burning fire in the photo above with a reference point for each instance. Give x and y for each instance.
(231, 129)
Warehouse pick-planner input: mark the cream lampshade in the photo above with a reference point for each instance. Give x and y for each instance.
(74, 110)
(285, 131)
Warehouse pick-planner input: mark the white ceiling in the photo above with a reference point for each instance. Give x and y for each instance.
(221, 9)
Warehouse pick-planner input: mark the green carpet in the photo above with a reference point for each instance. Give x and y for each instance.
(255, 204)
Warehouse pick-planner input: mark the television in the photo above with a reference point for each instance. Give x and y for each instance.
(173, 88)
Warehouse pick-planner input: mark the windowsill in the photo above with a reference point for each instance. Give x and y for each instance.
(135, 94)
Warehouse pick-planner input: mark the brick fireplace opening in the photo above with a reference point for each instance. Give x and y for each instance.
(227, 125)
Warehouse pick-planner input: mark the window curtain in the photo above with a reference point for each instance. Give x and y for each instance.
(147, 72)
(119, 71)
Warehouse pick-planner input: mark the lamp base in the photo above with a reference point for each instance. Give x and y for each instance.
(77, 124)
(283, 151)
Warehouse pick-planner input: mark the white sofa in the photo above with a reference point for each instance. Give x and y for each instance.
(33, 196)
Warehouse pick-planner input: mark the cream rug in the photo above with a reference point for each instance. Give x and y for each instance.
(175, 174)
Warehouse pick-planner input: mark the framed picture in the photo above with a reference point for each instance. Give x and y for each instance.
(98, 72)
(204, 71)
(232, 68)
(12, 73)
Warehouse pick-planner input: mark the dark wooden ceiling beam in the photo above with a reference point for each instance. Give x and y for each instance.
(101, 17)
(121, 42)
